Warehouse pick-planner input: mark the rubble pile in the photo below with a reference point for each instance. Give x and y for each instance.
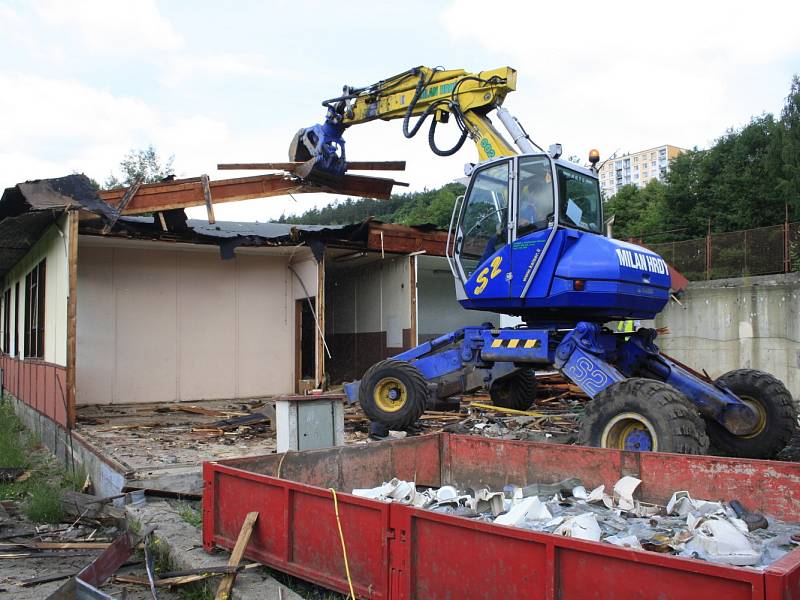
(715, 531)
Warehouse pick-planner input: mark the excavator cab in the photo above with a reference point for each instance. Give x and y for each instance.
(526, 239)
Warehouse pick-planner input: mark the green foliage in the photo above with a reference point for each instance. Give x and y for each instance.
(145, 164)
(44, 504)
(745, 180)
(190, 515)
(416, 208)
(40, 493)
(12, 450)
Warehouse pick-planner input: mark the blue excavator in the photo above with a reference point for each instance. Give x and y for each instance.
(527, 239)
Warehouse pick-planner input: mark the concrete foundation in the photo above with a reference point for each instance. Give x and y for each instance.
(748, 322)
(72, 450)
(184, 544)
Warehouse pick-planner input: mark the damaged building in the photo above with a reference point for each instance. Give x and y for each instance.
(103, 307)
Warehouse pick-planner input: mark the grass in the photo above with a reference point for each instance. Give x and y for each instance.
(39, 494)
(190, 514)
(201, 590)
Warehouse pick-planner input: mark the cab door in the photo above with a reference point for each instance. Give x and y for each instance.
(533, 222)
(482, 250)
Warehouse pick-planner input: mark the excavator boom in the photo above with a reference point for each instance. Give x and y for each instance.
(418, 93)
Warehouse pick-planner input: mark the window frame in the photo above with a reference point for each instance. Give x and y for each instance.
(461, 233)
(35, 302)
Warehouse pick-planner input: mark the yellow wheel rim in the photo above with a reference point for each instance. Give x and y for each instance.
(390, 394)
(629, 431)
(759, 409)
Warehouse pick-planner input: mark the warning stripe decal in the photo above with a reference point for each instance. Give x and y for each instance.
(514, 343)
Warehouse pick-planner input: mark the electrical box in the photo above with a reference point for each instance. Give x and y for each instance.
(309, 422)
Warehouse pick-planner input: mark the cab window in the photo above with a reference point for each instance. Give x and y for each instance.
(485, 218)
(580, 204)
(535, 206)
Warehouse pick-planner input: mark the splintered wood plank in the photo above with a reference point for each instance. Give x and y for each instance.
(225, 586)
(355, 165)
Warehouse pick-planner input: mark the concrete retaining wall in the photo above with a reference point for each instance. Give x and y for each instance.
(726, 324)
(73, 451)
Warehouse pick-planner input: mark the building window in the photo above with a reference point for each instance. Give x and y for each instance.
(16, 320)
(7, 321)
(34, 311)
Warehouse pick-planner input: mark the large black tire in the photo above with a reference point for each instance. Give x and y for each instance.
(393, 392)
(643, 414)
(516, 391)
(777, 415)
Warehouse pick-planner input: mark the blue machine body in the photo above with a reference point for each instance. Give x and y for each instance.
(617, 280)
(565, 281)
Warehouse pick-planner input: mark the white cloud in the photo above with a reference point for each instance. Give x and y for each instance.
(634, 75)
(180, 68)
(115, 26)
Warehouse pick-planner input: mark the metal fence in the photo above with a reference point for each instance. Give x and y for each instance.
(761, 251)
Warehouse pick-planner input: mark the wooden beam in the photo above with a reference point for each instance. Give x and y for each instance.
(184, 193)
(319, 373)
(225, 586)
(400, 239)
(206, 183)
(386, 165)
(126, 199)
(412, 285)
(72, 306)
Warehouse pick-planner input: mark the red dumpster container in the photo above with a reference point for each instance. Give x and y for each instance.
(401, 552)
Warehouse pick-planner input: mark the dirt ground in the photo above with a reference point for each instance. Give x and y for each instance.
(14, 572)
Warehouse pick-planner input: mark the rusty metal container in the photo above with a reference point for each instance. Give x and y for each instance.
(401, 552)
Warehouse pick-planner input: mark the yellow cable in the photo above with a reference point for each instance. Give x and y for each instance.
(344, 548)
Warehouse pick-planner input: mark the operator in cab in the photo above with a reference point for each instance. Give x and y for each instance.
(535, 198)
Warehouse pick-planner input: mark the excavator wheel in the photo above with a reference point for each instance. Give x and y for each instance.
(516, 391)
(776, 411)
(642, 415)
(393, 392)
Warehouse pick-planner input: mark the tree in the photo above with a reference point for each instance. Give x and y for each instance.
(145, 164)
(787, 147)
(638, 212)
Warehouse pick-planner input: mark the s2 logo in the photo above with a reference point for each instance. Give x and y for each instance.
(492, 271)
(587, 376)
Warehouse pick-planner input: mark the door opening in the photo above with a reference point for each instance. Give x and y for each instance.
(305, 346)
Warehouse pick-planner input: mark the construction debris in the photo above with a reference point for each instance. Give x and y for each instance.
(713, 531)
(226, 585)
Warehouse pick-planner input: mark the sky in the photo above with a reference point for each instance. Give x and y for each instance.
(85, 81)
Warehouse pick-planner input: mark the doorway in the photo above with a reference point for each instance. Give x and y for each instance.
(305, 345)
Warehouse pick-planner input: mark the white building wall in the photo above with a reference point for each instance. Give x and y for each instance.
(371, 298)
(166, 322)
(51, 246)
(437, 307)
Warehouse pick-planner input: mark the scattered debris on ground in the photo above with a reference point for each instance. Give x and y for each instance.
(714, 531)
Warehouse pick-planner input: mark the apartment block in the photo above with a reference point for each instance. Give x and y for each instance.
(637, 168)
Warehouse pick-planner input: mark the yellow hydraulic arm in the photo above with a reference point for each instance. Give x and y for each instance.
(465, 96)
(414, 96)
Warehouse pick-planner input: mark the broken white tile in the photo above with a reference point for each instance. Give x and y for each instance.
(720, 541)
(624, 490)
(519, 512)
(583, 527)
(404, 492)
(579, 492)
(597, 494)
(486, 501)
(626, 541)
(446, 492)
(681, 504)
(380, 492)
